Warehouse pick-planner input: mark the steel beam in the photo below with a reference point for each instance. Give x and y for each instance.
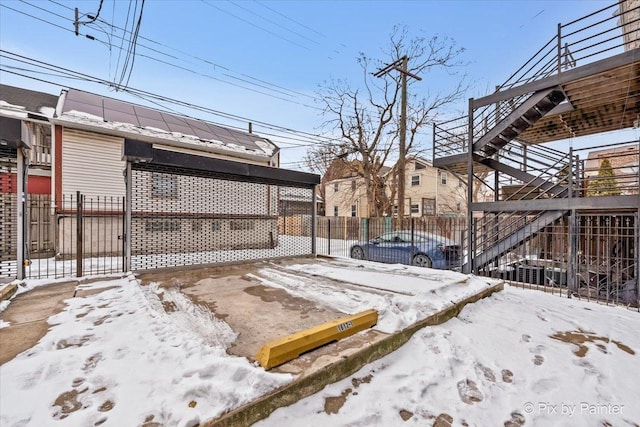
(626, 58)
(606, 203)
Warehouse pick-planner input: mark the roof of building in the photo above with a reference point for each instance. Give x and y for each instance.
(18, 102)
(86, 110)
(92, 112)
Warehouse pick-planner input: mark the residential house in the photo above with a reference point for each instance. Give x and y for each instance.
(428, 191)
(624, 164)
(77, 144)
(24, 122)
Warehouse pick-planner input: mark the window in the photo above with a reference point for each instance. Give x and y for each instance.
(196, 225)
(420, 166)
(242, 224)
(428, 207)
(161, 225)
(415, 208)
(415, 180)
(354, 210)
(164, 186)
(395, 209)
(443, 178)
(459, 183)
(353, 185)
(335, 211)
(216, 226)
(335, 187)
(458, 206)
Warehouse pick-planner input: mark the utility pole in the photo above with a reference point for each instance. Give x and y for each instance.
(402, 66)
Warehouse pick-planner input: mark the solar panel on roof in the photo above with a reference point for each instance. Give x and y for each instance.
(172, 119)
(82, 107)
(113, 110)
(147, 113)
(146, 122)
(186, 130)
(121, 117)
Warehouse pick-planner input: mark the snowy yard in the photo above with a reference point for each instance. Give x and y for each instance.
(519, 357)
(119, 357)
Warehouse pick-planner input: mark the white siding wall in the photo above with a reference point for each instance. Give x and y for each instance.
(92, 164)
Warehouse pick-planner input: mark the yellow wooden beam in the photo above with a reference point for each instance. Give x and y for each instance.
(284, 349)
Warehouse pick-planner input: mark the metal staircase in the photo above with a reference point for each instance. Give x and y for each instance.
(522, 113)
(530, 173)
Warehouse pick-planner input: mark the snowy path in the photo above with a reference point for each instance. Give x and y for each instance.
(127, 356)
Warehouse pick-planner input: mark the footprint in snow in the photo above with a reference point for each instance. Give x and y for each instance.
(469, 392)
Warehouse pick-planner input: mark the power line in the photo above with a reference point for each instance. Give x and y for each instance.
(254, 25)
(262, 82)
(265, 84)
(310, 139)
(272, 22)
(290, 19)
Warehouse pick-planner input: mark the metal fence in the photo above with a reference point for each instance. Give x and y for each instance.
(337, 236)
(594, 259)
(83, 235)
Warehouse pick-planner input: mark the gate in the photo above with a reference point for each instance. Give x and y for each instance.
(8, 214)
(189, 210)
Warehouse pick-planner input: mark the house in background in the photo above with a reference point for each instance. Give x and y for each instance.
(428, 191)
(624, 163)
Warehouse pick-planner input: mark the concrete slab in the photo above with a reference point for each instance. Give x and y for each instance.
(28, 314)
(258, 314)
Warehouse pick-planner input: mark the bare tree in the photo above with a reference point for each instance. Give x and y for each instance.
(365, 116)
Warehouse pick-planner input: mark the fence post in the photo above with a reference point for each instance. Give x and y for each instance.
(636, 255)
(413, 227)
(314, 216)
(126, 266)
(21, 199)
(328, 235)
(573, 254)
(79, 231)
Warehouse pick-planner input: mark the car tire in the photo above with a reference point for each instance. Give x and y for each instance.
(357, 252)
(421, 260)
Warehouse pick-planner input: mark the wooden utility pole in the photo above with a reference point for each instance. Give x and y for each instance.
(402, 66)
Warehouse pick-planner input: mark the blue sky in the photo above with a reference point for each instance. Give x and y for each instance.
(263, 60)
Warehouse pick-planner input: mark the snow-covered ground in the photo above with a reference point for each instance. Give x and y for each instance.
(519, 357)
(119, 357)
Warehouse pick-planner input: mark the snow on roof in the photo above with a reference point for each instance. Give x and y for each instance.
(18, 103)
(102, 113)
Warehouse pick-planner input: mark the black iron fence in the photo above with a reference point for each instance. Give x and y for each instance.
(391, 240)
(82, 235)
(594, 258)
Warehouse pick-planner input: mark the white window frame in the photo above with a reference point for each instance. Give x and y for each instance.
(443, 178)
(335, 211)
(415, 208)
(415, 182)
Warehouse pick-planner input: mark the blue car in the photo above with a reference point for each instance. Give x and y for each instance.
(399, 247)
